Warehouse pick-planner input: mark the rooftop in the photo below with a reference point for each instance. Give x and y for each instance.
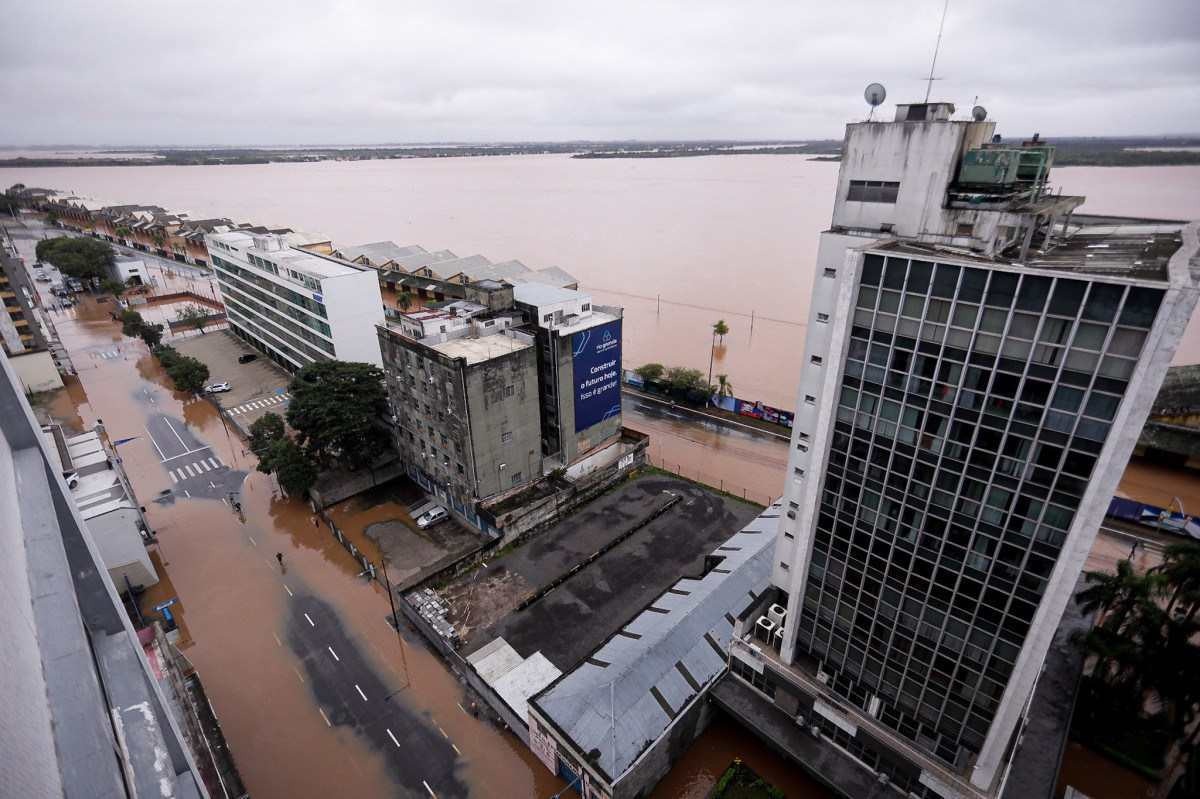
(379, 252)
(300, 260)
(484, 348)
(1137, 250)
(539, 294)
(627, 693)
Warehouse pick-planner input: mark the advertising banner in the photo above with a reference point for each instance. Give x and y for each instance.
(597, 365)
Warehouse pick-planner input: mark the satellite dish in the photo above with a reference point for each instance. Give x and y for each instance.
(875, 94)
(979, 113)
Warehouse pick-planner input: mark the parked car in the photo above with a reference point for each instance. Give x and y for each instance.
(217, 388)
(431, 517)
(247, 358)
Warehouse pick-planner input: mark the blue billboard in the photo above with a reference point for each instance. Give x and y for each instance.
(597, 369)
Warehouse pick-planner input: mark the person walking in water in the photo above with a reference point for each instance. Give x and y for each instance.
(279, 557)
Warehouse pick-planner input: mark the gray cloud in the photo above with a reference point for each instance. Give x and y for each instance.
(358, 71)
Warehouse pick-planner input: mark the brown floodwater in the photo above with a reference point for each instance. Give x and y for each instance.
(731, 237)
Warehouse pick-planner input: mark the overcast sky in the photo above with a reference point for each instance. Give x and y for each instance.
(298, 71)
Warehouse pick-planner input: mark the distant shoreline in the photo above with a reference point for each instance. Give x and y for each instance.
(1123, 151)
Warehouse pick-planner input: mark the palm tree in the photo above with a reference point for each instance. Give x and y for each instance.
(724, 387)
(1115, 596)
(1181, 571)
(720, 329)
(405, 300)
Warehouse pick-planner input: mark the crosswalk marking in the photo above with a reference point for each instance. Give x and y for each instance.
(194, 469)
(259, 403)
(174, 479)
(188, 469)
(213, 462)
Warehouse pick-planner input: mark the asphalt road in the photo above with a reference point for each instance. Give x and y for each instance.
(349, 693)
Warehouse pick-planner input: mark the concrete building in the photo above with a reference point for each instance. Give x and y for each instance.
(979, 361)
(484, 390)
(295, 305)
(130, 270)
(579, 358)
(18, 329)
(83, 713)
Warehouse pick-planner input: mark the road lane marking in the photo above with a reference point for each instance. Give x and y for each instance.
(393, 737)
(298, 674)
(285, 588)
(215, 463)
(431, 793)
(322, 712)
(335, 657)
(443, 732)
(277, 641)
(176, 432)
(252, 541)
(310, 621)
(360, 693)
(161, 457)
(185, 454)
(187, 493)
(211, 484)
(174, 479)
(456, 750)
(460, 707)
(188, 471)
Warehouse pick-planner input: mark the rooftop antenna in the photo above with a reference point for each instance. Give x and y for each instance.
(875, 94)
(936, 47)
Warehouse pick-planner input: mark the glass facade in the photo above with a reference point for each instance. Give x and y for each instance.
(973, 405)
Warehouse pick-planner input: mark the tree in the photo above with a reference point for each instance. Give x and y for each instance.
(405, 300)
(192, 316)
(683, 380)
(266, 430)
(113, 287)
(724, 387)
(292, 467)
(720, 329)
(188, 373)
(650, 371)
(337, 410)
(152, 335)
(78, 258)
(1181, 570)
(131, 323)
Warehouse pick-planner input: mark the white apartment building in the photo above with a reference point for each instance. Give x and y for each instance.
(294, 305)
(979, 360)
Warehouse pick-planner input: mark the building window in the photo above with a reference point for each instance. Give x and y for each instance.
(587, 306)
(798, 471)
(873, 191)
(547, 317)
(516, 478)
(786, 534)
(830, 272)
(802, 447)
(505, 438)
(809, 399)
(823, 318)
(817, 360)
(509, 391)
(783, 565)
(965, 229)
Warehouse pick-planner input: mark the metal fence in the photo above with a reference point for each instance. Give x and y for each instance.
(713, 481)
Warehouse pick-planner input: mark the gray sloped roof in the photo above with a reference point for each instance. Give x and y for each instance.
(410, 262)
(453, 267)
(551, 276)
(379, 252)
(662, 659)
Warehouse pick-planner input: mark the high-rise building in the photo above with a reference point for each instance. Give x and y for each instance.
(980, 358)
(296, 305)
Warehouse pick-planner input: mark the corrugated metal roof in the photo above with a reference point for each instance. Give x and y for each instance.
(621, 708)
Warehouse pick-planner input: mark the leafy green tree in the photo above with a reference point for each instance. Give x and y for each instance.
(338, 410)
(683, 379)
(189, 374)
(192, 316)
(131, 323)
(77, 257)
(151, 334)
(167, 355)
(264, 432)
(113, 287)
(292, 467)
(650, 371)
(404, 301)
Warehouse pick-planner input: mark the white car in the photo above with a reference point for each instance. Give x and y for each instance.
(431, 517)
(217, 388)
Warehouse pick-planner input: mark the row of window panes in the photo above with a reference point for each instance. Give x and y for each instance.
(294, 297)
(279, 319)
(272, 301)
(271, 340)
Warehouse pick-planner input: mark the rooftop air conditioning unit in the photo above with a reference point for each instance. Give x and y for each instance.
(823, 677)
(764, 628)
(777, 614)
(800, 719)
(815, 731)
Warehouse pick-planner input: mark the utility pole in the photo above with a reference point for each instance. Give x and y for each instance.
(395, 620)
